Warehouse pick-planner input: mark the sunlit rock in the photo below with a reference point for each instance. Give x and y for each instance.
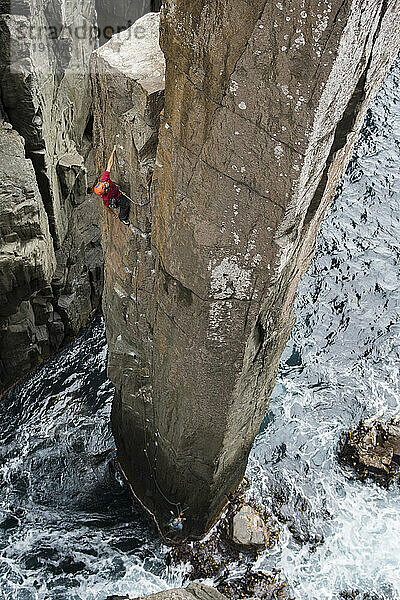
(194, 591)
(263, 104)
(248, 530)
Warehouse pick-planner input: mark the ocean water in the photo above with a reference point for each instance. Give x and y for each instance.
(341, 365)
(68, 527)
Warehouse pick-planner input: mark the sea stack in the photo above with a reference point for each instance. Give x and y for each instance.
(239, 158)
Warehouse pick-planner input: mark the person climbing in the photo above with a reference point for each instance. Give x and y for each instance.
(109, 191)
(176, 523)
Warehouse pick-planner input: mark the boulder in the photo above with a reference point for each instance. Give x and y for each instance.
(373, 450)
(194, 591)
(216, 556)
(248, 529)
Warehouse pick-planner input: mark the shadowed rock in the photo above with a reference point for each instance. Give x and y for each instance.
(27, 259)
(46, 93)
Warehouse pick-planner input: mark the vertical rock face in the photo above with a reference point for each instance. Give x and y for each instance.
(27, 259)
(128, 85)
(46, 94)
(263, 103)
(46, 97)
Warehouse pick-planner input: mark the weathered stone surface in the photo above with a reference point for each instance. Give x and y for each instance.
(127, 106)
(46, 296)
(248, 530)
(46, 91)
(373, 450)
(194, 591)
(27, 259)
(268, 588)
(263, 103)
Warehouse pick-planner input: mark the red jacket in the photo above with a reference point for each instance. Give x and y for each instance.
(113, 191)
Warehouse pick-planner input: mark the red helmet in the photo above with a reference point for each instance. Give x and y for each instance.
(99, 188)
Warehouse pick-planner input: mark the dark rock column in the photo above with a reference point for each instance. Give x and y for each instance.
(263, 103)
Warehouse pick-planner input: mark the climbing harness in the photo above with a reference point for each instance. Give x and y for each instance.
(98, 189)
(176, 522)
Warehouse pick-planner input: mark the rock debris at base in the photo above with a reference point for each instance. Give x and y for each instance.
(248, 530)
(194, 591)
(373, 450)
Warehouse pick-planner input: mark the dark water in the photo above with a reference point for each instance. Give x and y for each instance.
(68, 528)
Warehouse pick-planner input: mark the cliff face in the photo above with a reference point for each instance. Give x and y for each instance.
(263, 103)
(27, 259)
(51, 262)
(46, 97)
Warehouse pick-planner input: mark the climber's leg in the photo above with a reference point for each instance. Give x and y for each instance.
(123, 205)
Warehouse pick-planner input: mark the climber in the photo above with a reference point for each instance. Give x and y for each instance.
(177, 522)
(108, 190)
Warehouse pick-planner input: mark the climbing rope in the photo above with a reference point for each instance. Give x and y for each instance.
(152, 469)
(130, 199)
(126, 195)
(176, 522)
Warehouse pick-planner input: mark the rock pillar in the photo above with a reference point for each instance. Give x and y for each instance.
(263, 103)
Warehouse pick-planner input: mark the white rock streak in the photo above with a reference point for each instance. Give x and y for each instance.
(229, 279)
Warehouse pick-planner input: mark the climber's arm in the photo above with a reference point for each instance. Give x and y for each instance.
(111, 159)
